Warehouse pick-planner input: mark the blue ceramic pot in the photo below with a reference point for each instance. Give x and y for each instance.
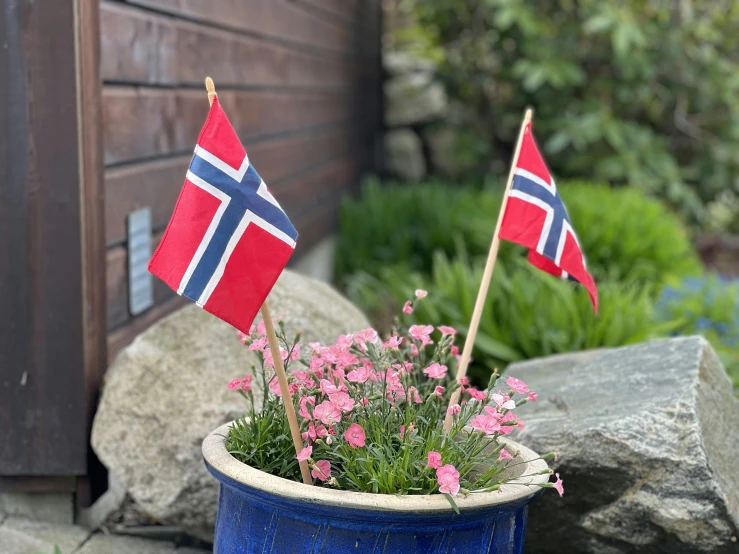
(261, 513)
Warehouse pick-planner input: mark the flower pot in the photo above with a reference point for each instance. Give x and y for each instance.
(261, 513)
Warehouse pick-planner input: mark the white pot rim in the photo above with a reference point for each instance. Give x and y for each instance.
(216, 455)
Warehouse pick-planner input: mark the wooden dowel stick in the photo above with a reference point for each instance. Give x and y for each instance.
(285, 390)
(211, 88)
(485, 283)
(274, 347)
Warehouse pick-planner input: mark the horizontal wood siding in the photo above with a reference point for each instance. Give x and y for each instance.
(299, 79)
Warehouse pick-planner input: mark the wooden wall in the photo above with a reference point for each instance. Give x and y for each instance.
(299, 79)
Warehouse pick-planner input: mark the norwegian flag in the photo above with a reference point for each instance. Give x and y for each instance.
(228, 239)
(535, 217)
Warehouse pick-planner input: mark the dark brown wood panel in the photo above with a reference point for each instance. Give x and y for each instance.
(278, 19)
(157, 184)
(346, 9)
(140, 47)
(117, 285)
(43, 416)
(93, 200)
(141, 123)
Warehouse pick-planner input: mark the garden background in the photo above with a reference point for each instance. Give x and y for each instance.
(637, 112)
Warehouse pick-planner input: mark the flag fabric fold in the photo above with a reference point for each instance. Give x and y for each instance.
(228, 239)
(535, 217)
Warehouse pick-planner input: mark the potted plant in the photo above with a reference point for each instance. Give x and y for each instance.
(387, 477)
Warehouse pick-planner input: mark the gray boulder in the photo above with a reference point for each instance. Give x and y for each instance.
(401, 63)
(647, 438)
(412, 99)
(404, 157)
(167, 391)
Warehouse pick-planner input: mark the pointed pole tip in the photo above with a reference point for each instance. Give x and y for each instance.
(529, 114)
(210, 85)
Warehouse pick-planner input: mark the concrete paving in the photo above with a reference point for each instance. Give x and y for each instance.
(25, 536)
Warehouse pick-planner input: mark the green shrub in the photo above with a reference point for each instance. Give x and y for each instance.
(625, 235)
(527, 313)
(639, 92)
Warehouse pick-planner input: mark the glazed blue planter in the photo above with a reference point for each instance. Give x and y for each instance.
(261, 513)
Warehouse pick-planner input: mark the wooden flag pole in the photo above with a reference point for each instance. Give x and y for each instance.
(274, 347)
(482, 293)
(285, 390)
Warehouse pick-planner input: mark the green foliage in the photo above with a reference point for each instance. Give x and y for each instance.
(644, 92)
(527, 313)
(625, 235)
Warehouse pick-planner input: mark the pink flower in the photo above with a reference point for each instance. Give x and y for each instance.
(322, 470)
(346, 359)
(503, 401)
(327, 412)
(364, 401)
(235, 384)
(454, 350)
(414, 351)
(274, 386)
(392, 343)
(304, 454)
(558, 486)
(243, 337)
(246, 383)
(510, 417)
(504, 455)
(464, 381)
(436, 371)
(359, 375)
(314, 432)
(342, 401)
(517, 385)
(439, 390)
(355, 435)
(303, 411)
(532, 397)
(420, 293)
(448, 478)
(316, 364)
(434, 460)
(402, 432)
(476, 394)
(486, 424)
(259, 344)
(447, 331)
(365, 335)
(408, 309)
(328, 388)
(413, 393)
(453, 410)
(422, 332)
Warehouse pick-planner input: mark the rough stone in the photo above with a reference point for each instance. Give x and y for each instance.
(400, 63)
(67, 537)
(16, 542)
(413, 99)
(51, 507)
(404, 157)
(648, 444)
(167, 391)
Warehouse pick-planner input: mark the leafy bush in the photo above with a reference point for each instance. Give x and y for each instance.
(527, 314)
(639, 92)
(710, 307)
(625, 235)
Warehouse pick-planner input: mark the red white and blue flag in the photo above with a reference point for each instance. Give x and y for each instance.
(535, 217)
(228, 239)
